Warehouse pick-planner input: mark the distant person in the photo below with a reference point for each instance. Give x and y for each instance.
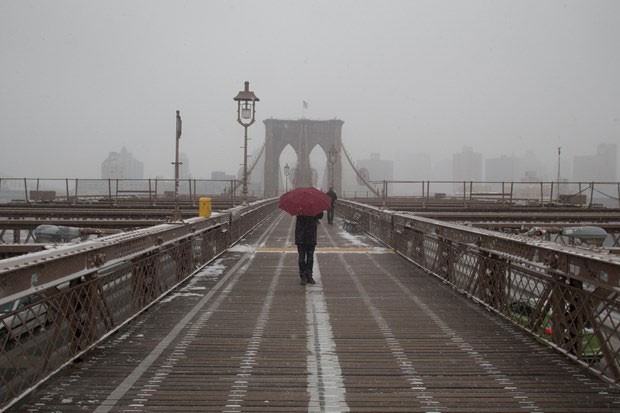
(305, 239)
(330, 212)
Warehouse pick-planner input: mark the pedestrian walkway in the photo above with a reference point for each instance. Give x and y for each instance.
(374, 333)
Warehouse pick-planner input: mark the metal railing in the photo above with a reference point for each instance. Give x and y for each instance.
(73, 191)
(565, 297)
(465, 193)
(56, 304)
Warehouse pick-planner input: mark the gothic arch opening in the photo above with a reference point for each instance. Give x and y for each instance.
(288, 156)
(303, 136)
(318, 162)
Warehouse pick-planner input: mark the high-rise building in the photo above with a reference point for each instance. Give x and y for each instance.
(601, 166)
(121, 165)
(502, 169)
(413, 167)
(467, 165)
(184, 172)
(379, 169)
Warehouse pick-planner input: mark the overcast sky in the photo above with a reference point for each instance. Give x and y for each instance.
(79, 79)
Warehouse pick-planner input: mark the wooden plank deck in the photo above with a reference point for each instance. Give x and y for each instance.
(374, 334)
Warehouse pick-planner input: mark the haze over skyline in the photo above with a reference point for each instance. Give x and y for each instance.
(81, 79)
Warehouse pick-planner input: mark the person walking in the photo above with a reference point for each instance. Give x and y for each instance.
(330, 212)
(305, 239)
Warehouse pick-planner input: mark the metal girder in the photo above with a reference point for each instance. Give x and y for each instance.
(45, 269)
(565, 296)
(589, 266)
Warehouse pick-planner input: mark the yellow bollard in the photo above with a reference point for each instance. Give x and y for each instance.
(204, 209)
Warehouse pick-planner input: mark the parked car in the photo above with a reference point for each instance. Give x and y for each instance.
(521, 312)
(22, 316)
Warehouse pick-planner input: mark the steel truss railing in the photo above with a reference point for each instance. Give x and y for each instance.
(61, 302)
(508, 193)
(75, 191)
(566, 297)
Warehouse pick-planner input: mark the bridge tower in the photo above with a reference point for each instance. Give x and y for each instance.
(303, 135)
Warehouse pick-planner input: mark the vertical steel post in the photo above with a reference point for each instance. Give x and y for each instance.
(551, 193)
(542, 199)
(503, 190)
(176, 216)
(193, 199)
(385, 193)
(191, 195)
(232, 193)
(559, 152)
(591, 194)
(26, 191)
(110, 191)
(244, 190)
(67, 186)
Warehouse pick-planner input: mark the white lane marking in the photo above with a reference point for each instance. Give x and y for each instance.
(239, 390)
(398, 352)
(548, 357)
(468, 349)
(131, 379)
(111, 401)
(325, 384)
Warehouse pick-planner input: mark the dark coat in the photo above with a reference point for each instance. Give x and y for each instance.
(333, 196)
(305, 229)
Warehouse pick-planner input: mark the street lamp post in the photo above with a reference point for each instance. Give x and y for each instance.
(332, 157)
(559, 152)
(176, 216)
(246, 115)
(287, 171)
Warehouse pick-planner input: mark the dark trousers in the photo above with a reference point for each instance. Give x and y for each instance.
(330, 216)
(306, 259)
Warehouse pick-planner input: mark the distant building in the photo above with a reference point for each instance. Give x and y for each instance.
(121, 165)
(219, 187)
(378, 169)
(467, 165)
(374, 168)
(531, 167)
(413, 167)
(221, 175)
(502, 169)
(530, 176)
(184, 172)
(442, 170)
(599, 167)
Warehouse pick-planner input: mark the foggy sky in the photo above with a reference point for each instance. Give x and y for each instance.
(80, 79)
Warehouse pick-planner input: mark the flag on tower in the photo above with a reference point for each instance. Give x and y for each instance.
(305, 104)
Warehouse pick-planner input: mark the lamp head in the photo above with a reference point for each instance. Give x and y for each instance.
(246, 95)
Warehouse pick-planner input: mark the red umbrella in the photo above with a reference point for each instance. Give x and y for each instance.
(305, 201)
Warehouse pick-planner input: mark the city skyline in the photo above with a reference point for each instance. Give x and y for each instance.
(543, 172)
(405, 77)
